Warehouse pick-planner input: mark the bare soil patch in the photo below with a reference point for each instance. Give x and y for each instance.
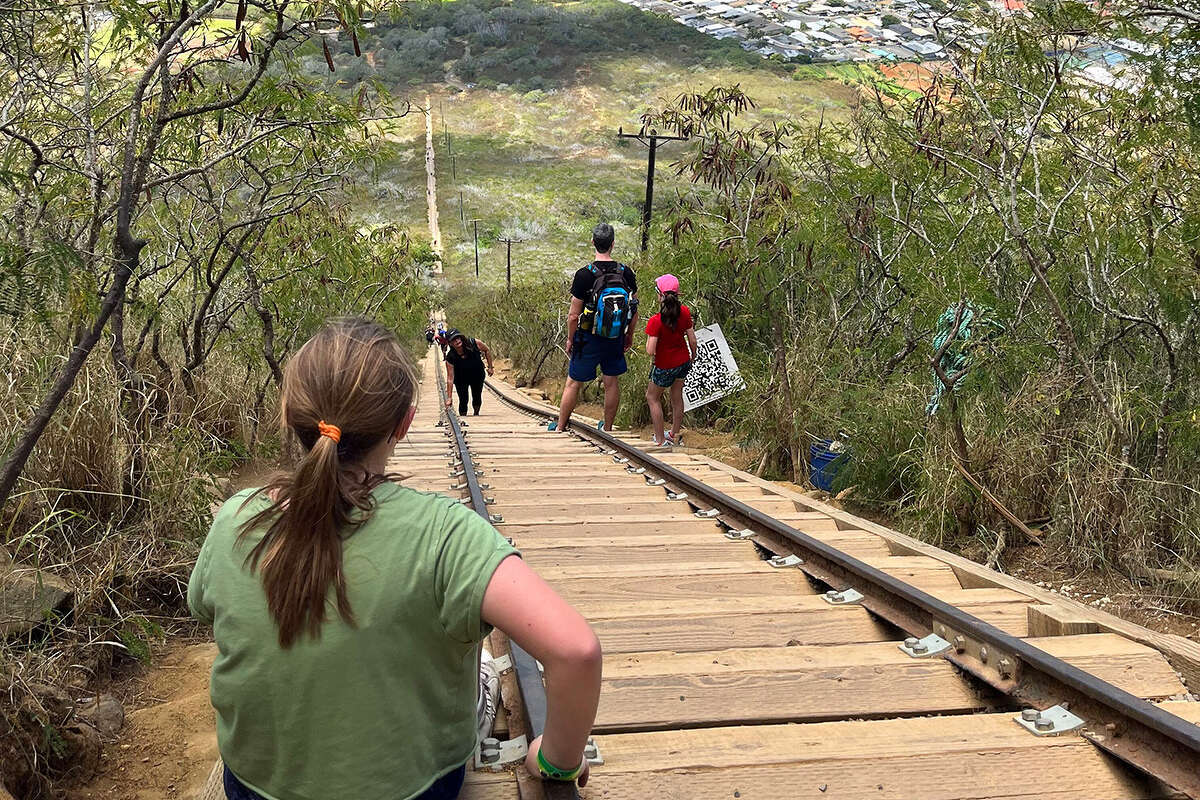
(169, 743)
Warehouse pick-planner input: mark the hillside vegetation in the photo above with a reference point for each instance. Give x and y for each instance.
(528, 144)
(178, 192)
(992, 283)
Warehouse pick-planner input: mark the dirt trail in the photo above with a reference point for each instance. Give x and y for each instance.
(435, 232)
(169, 746)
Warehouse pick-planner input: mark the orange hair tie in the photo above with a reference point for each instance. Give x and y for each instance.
(331, 431)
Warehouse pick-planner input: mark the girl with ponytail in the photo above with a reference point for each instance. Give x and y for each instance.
(342, 602)
(671, 339)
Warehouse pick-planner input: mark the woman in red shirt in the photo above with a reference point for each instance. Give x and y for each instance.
(672, 342)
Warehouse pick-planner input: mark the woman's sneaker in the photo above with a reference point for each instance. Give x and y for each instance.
(669, 440)
(489, 695)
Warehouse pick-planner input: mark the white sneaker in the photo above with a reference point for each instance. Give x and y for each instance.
(489, 694)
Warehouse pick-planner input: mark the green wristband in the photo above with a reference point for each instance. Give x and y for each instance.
(553, 773)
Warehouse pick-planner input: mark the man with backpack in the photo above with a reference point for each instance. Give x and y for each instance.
(600, 328)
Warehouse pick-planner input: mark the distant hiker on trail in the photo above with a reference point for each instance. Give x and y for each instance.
(430, 334)
(348, 610)
(464, 370)
(671, 339)
(600, 328)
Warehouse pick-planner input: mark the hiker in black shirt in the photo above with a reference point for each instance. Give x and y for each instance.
(587, 345)
(464, 370)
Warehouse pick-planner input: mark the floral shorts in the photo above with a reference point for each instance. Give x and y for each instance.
(666, 377)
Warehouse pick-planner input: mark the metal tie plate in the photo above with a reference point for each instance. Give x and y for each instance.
(494, 754)
(737, 536)
(1054, 721)
(677, 495)
(925, 647)
(846, 597)
(592, 753)
(655, 481)
(792, 560)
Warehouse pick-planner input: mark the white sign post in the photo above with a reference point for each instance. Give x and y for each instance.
(714, 372)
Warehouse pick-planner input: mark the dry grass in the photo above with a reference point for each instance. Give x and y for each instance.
(113, 503)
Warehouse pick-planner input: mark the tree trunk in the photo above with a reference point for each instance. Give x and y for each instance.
(10, 471)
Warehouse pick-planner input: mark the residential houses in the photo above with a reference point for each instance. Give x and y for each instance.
(812, 30)
(857, 30)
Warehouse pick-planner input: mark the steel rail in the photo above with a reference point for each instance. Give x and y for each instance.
(1138, 732)
(529, 676)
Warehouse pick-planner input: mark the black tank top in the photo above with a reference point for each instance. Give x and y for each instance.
(469, 362)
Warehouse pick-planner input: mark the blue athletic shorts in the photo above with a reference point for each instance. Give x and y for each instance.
(590, 351)
(665, 377)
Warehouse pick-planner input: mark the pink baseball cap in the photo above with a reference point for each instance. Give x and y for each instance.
(667, 283)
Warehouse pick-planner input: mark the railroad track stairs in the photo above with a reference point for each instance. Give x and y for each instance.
(727, 675)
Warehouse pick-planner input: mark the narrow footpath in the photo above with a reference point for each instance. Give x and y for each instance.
(435, 231)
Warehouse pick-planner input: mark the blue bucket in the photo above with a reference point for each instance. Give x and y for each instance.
(823, 464)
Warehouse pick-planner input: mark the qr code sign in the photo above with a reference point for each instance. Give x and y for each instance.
(714, 372)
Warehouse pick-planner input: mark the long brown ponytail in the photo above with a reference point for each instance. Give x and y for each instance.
(671, 307)
(353, 375)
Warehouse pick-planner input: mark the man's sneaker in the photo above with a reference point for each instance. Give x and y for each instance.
(553, 426)
(489, 694)
(669, 440)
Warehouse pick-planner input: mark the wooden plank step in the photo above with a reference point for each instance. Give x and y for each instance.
(765, 620)
(554, 561)
(608, 479)
(737, 629)
(1134, 667)
(525, 458)
(488, 785)
(667, 570)
(583, 495)
(657, 691)
(981, 756)
(922, 572)
(583, 531)
(663, 691)
(586, 591)
(679, 544)
(630, 514)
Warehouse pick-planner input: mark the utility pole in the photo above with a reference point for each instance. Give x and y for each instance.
(475, 225)
(651, 140)
(508, 272)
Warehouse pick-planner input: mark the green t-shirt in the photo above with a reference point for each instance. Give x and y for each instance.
(379, 710)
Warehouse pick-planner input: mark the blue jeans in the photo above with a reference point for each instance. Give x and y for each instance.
(446, 787)
(663, 378)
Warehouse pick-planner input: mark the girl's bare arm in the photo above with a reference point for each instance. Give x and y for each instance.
(520, 603)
